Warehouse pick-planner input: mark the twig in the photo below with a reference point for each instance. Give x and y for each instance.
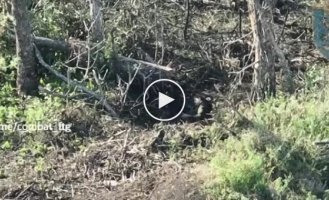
(244, 68)
(129, 84)
(100, 97)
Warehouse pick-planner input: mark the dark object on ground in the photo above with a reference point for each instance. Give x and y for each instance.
(197, 108)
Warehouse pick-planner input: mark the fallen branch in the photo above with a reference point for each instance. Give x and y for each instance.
(42, 42)
(63, 96)
(165, 68)
(100, 97)
(65, 46)
(52, 44)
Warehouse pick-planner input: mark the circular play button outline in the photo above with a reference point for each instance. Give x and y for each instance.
(164, 80)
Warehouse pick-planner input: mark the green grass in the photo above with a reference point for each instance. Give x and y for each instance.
(306, 116)
(276, 157)
(238, 169)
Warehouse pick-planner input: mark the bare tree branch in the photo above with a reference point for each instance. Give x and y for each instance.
(100, 97)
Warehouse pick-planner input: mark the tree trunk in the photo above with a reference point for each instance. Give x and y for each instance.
(27, 82)
(96, 20)
(264, 82)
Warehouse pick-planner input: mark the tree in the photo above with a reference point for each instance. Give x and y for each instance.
(96, 20)
(27, 82)
(261, 17)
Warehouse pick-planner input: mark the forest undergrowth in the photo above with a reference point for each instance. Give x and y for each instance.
(274, 149)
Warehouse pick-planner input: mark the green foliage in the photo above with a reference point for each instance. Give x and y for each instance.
(40, 165)
(302, 116)
(276, 158)
(239, 170)
(42, 110)
(8, 64)
(7, 96)
(265, 166)
(316, 78)
(6, 145)
(35, 112)
(48, 19)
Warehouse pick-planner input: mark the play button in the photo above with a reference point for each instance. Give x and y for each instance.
(164, 100)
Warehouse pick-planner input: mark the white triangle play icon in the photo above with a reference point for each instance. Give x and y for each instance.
(164, 100)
